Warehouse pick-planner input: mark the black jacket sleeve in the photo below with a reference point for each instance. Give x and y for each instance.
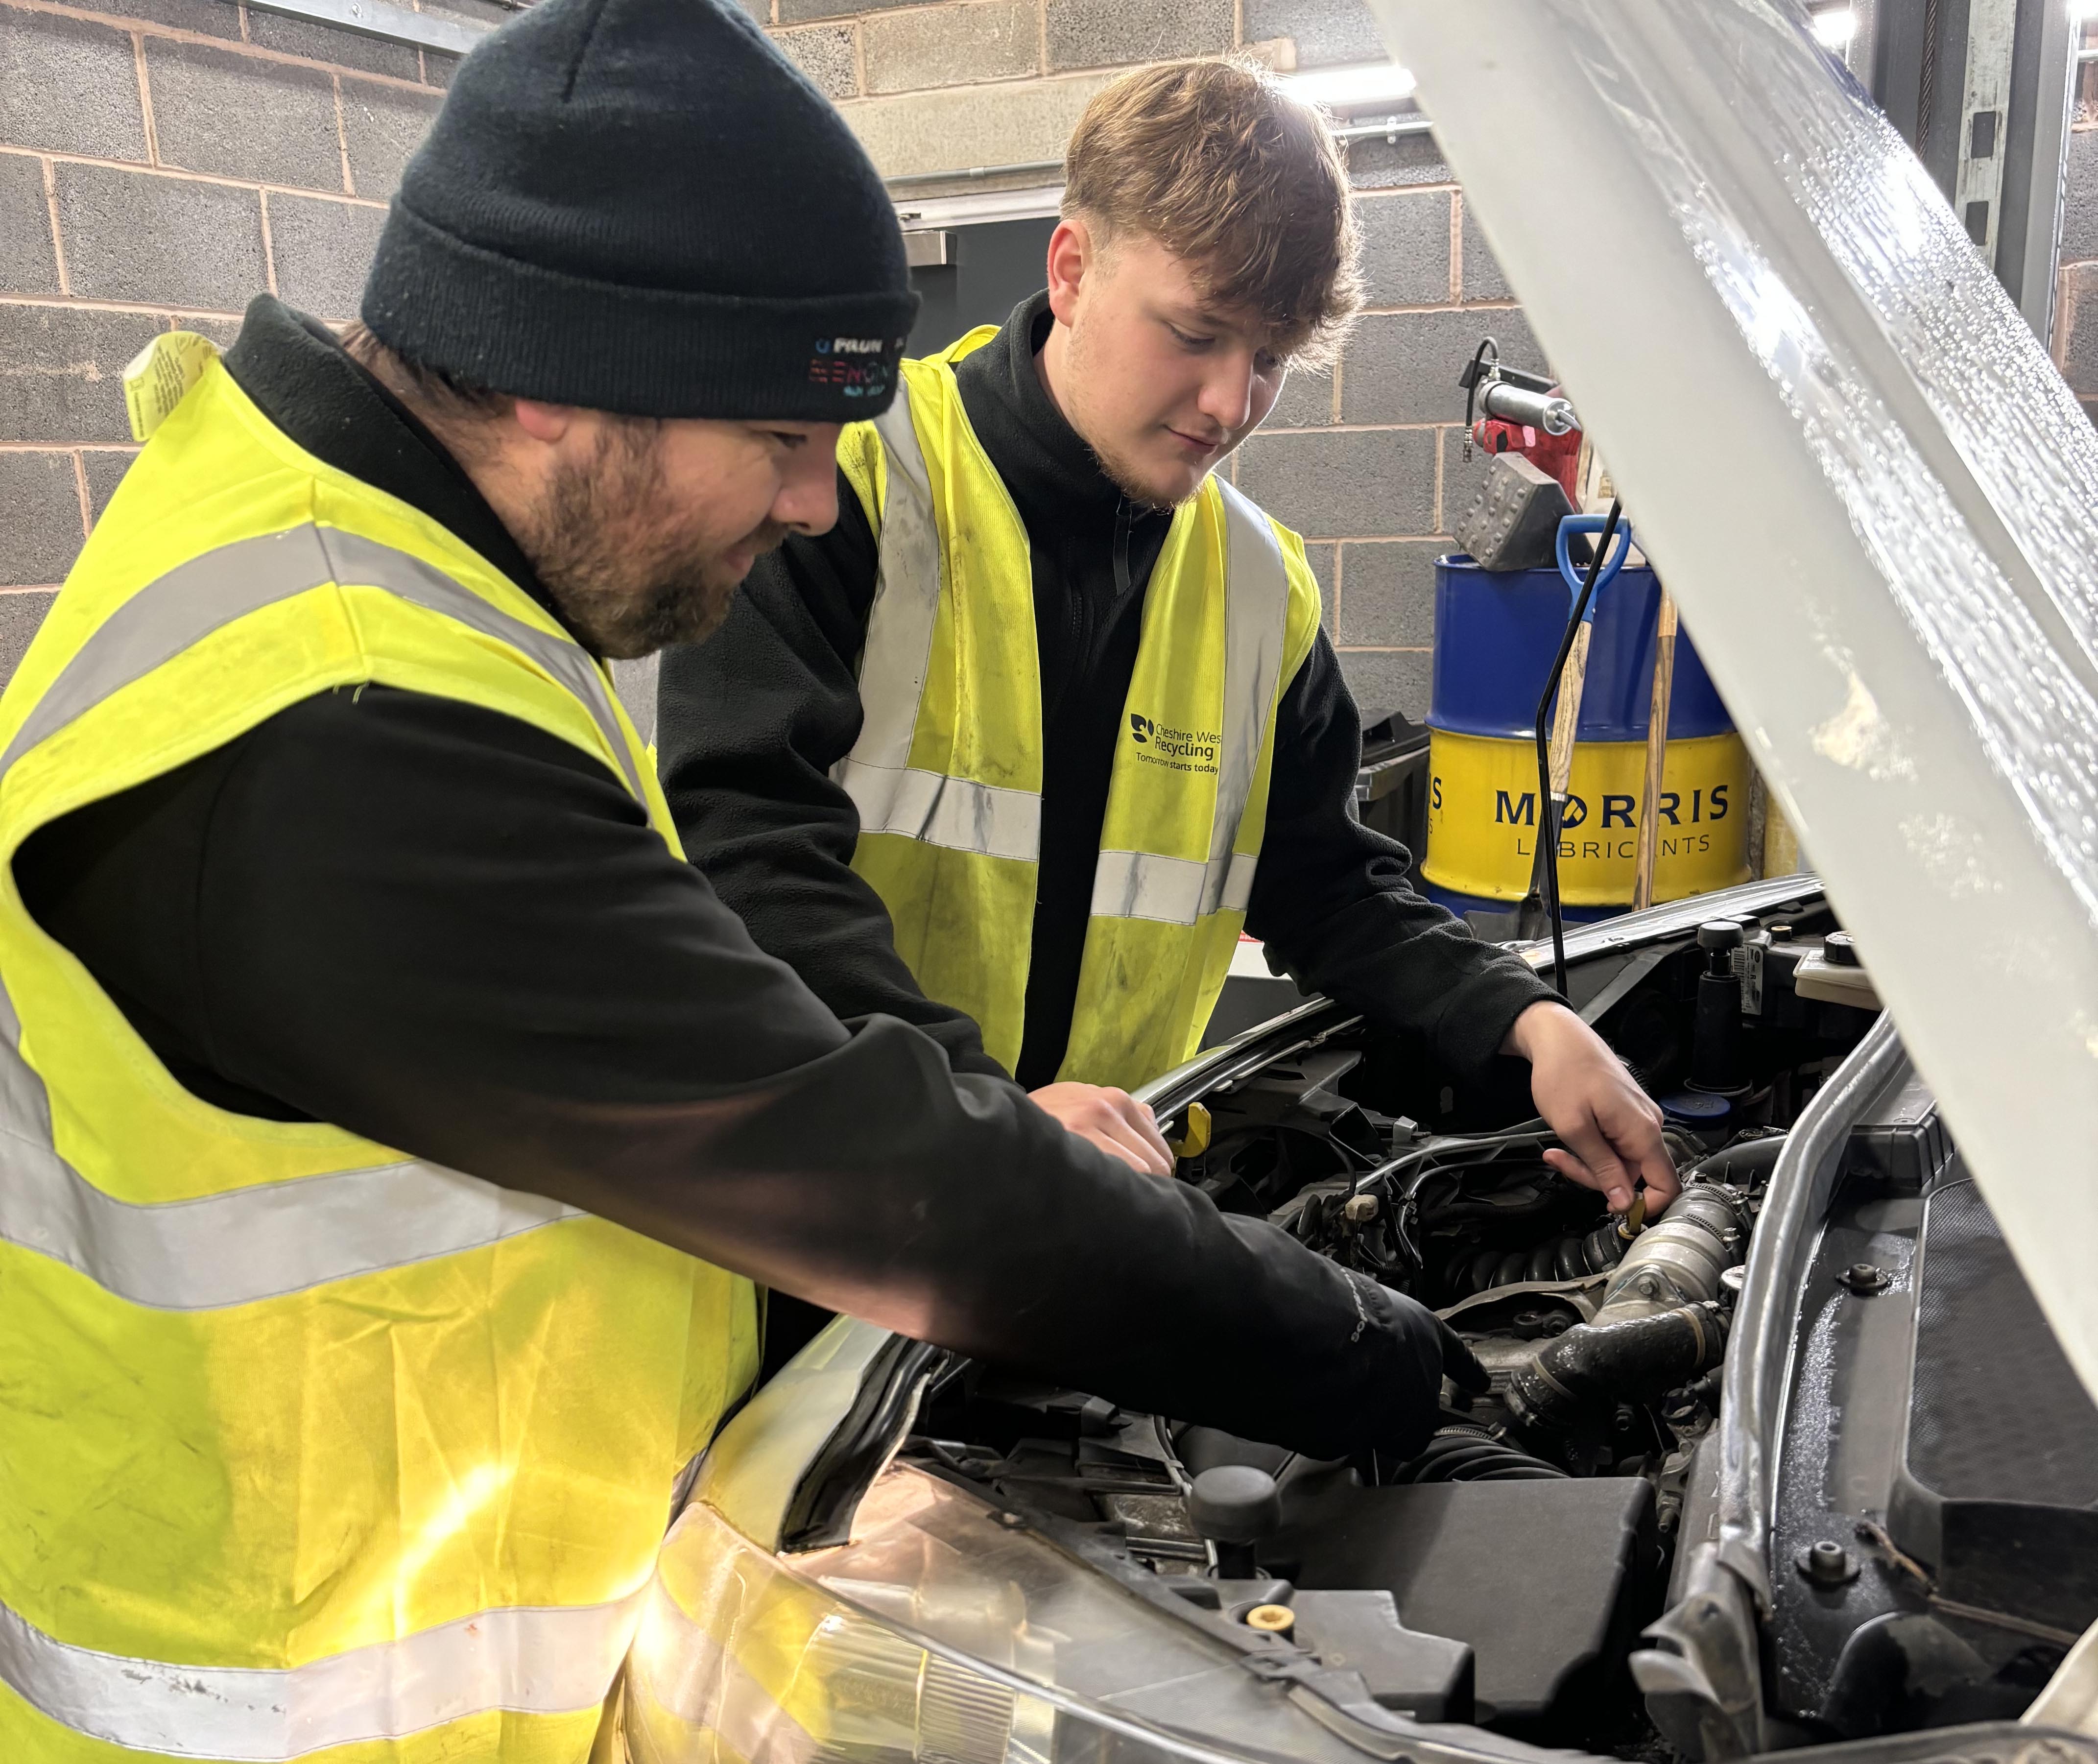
(1330, 900)
(748, 725)
(449, 932)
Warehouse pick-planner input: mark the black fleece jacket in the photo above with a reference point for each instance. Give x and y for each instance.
(450, 932)
(750, 723)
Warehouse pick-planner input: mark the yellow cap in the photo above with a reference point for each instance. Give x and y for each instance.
(1196, 1139)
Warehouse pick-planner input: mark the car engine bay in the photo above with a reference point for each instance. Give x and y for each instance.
(1505, 1576)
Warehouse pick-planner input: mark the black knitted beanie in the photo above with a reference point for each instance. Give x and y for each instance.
(642, 206)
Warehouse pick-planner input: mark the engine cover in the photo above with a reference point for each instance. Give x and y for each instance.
(1546, 1580)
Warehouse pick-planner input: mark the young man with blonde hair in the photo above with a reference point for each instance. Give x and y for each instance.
(1015, 750)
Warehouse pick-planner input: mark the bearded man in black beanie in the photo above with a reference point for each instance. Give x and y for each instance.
(400, 1131)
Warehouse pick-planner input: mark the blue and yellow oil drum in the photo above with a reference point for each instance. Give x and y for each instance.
(1496, 632)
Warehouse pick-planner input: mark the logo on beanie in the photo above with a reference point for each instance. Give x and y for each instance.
(859, 367)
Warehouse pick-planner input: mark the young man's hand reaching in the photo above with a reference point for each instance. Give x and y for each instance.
(1612, 1128)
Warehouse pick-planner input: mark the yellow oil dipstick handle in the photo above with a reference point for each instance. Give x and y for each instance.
(1635, 1219)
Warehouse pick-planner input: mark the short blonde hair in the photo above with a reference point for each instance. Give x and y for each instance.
(1220, 165)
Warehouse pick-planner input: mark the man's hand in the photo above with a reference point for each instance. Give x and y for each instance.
(1587, 1098)
(1114, 1120)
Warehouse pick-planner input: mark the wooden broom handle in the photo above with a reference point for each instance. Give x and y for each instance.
(1656, 750)
(1567, 717)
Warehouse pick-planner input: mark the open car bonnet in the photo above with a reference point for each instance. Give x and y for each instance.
(1873, 496)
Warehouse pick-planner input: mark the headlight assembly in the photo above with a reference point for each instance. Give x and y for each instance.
(942, 1634)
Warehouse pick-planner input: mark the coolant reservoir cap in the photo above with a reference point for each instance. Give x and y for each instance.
(1235, 1503)
(1837, 950)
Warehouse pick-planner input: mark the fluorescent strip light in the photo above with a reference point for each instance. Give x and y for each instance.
(1340, 87)
(1833, 29)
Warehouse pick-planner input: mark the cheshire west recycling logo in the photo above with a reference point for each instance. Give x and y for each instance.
(1181, 750)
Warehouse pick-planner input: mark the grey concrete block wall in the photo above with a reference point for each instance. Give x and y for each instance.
(892, 47)
(70, 86)
(381, 126)
(1407, 248)
(60, 369)
(1095, 33)
(318, 251)
(41, 494)
(140, 237)
(161, 163)
(1375, 482)
(953, 46)
(29, 256)
(827, 54)
(105, 467)
(1324, 33)
(218, 111)
(1366, 458)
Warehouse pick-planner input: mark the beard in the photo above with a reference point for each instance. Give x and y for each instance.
(1123, 475)
(630, 568)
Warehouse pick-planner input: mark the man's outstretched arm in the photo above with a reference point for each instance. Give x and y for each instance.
(1330, 900)
(455, 934)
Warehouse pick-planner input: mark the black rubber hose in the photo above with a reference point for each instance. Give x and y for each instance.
(1595, 1251)
(1594, 1366)
(1463, 1456)
(1744, 1164)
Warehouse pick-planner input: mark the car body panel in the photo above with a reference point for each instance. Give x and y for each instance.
(1886, 543)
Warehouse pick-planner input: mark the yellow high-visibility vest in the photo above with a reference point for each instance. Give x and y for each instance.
(309, 1447)
(947, 771)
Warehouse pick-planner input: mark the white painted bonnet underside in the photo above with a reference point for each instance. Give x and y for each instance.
(1873, 496)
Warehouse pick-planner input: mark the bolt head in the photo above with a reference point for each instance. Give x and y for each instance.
(1864, 1279)
(1827, 1564)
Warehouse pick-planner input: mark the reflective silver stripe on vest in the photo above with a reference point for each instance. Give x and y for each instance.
(1139, 885)
(945, 811)
(246, 1245)
(532, 1661)
(175, 610)
(1134, 884)
(891, 796)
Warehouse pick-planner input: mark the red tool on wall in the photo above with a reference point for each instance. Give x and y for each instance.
(1524, 413)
